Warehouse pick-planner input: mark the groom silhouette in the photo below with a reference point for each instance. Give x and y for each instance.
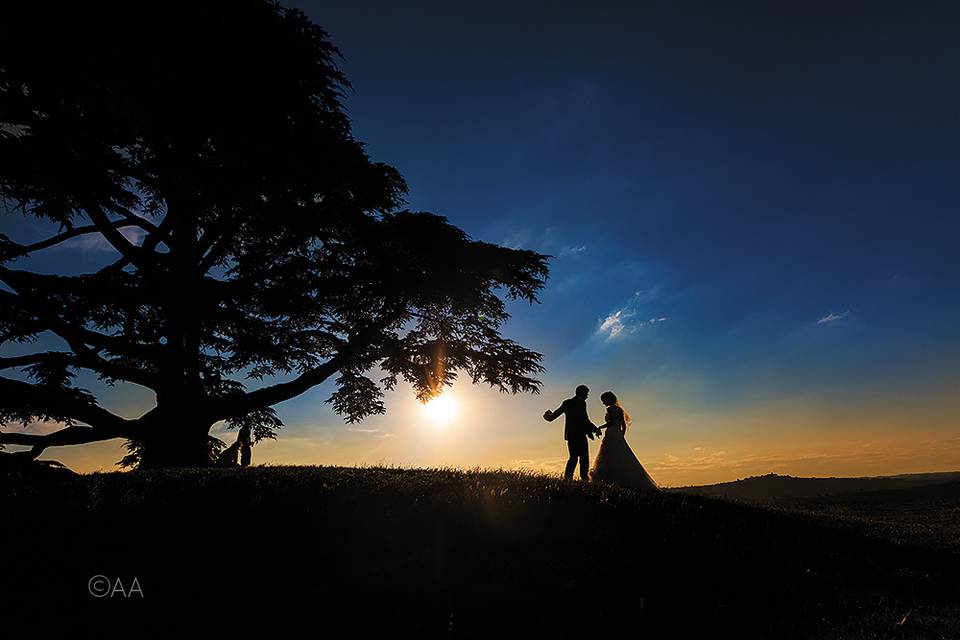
(577, 427)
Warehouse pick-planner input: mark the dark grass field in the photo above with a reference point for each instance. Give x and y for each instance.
(449, 553)
(926, 515)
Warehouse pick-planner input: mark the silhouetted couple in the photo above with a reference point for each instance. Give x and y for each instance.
(615, 460)
(241, 447)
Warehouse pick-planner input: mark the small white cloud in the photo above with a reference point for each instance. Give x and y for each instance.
(97, 242)
(613, 325)
(832, 317)
(622, 322)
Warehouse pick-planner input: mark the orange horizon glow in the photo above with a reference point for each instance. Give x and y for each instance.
(677, 444)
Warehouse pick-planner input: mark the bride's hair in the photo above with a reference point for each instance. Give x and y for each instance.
(610, 398)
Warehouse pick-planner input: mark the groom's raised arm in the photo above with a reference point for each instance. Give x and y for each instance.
(550, 416)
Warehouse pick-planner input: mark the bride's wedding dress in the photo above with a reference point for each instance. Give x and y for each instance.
(615, 460)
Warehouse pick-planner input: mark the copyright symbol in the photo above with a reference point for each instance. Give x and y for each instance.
(98, 586)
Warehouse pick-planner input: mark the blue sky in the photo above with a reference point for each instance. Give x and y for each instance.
(750, 173)
(747, 208)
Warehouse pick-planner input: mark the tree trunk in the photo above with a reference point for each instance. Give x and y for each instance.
(179, 437)
(177, 441)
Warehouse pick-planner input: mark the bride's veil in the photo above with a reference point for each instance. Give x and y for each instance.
(626, 416)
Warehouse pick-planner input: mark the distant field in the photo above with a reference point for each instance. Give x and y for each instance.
(449, 553)
(921, 508)
(927, 515)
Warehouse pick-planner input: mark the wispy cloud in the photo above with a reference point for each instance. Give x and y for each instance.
(34, 427)
(572, 250)
(832, 317)
(519, 240)
(376, 433)
(701, 459)
(864, 455)
(629, 318)
(545, 241)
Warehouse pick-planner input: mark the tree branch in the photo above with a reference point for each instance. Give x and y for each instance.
(215, 253)
(23, 250)
(240, 404)
(162, 235)
(129, 251)
(34, 358)
(59, 403)
(149, 245)
(50, 321)
(69, 435)
(214, 242)
(133, 218)
(84, 358)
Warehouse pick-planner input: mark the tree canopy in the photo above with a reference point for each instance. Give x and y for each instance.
(267, 242)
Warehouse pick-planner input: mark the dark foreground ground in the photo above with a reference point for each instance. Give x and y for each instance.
(331, 551)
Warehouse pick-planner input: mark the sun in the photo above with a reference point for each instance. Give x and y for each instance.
(441, 410)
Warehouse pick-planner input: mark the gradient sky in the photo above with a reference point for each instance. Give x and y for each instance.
(752, 213)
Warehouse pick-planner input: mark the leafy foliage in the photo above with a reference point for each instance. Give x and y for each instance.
(207, 144)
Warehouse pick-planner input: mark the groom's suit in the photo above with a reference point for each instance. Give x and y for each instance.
(575, 429)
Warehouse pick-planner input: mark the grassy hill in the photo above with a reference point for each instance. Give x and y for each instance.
(448, 553)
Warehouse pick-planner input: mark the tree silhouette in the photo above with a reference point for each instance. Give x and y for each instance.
(266, 242)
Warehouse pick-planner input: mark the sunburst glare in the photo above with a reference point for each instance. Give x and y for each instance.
(441, 410)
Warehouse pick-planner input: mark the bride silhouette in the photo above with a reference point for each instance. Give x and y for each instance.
(615, 460)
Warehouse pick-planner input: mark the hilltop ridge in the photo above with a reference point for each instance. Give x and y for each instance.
(772, 486)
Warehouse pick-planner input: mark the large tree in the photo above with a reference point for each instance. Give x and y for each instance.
(266, 244)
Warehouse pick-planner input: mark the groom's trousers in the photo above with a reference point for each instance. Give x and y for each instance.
(578, 453)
